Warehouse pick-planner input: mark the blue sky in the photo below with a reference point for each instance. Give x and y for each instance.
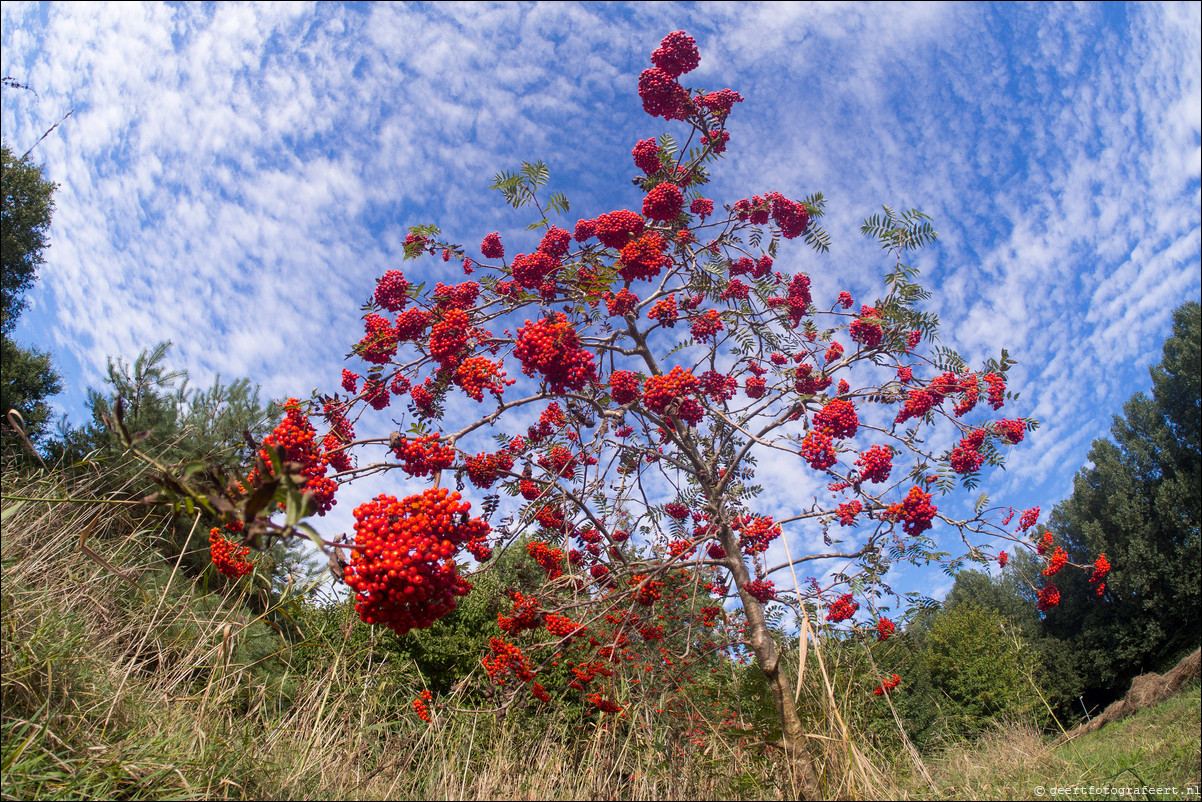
(235, 177)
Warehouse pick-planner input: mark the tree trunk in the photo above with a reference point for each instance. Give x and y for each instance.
(793, 737)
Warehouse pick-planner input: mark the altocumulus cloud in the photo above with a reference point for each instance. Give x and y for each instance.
(235, 176)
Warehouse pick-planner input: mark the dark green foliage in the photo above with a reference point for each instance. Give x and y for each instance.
(1139, 504)
(26, 379)
(28, 204)
(26, 375)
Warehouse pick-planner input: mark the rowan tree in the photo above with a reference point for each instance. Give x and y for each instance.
(628, 374)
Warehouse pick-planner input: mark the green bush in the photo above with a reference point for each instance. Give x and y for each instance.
(980, 669)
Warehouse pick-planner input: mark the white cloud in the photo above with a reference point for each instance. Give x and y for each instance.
(236, 176)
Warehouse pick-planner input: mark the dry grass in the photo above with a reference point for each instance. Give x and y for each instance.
(125, 679)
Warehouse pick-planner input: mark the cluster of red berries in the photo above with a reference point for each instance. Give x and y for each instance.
(620, 303)
(792, 217)
(1101, 568)
(915, 512)
(229, 559)
(550, 517)
(918, 404)
(563, 626)
(818, 450)
(835, 351)
(838, 419)
(755, 387)
(663, 203)
(965, 458)
(491, 247)
(533, 270)
(970, 389)
(756, 533)
(392, 291)
(848, 512)
(720, 103)
(887, 685)
(411, 324)
(1002, 559)
(296, 438)
(477, 374)
(867, 331)
(650, 591)
(460, 296)
(1043, 544)
(659, 392)
(551, 347)
(1049, 597)
(702, 207)
(735, 290)
(796, 300)
(603, 704)
(423, 456)
(719, 386)
(997, 390)
(503, 659)
(555, 243)
(676, 510)
(843, 609)
(1028, 519)
(762, 590)
(420, 706)
(1056, 562)
(756, 269)
(643, 259)
(379, 343)
(1012, 430)
(806, 382)
(525, 614)
(623, 386)
(613, 229)
(681, 548)
(403, 570)
(449, 337)
(665, 311)
(662, 96)
(676, 54)
(375, 393)
(884, 629)
(875, 464)
(340, 435)
(483, 469)
(551, 559)
(646, 156)
(560, 462)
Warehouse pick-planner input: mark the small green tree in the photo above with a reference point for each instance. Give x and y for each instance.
(1011, 595)
(981, 667)
(177, 424)
(181, 423)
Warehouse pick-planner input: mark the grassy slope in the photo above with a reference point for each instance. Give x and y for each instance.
(160, 687)
(1160, 747)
